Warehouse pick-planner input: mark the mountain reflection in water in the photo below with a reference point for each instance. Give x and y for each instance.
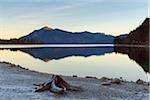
(139, 54)
(47, 54)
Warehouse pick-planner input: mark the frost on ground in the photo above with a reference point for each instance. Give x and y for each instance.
(17, 84)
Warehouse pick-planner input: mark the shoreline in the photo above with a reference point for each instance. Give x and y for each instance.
(17, 83)
(21, 46)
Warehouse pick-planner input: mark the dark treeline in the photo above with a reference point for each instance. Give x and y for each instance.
(18, 41)
(139, 36)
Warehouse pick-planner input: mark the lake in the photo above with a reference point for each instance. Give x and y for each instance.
(97, 60)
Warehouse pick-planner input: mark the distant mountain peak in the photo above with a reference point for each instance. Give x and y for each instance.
(47, 28)
(47, 35)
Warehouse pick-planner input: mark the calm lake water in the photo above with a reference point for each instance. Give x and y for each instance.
(97, 60)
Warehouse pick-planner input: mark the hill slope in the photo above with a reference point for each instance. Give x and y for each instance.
(139, 36)
(53, 36)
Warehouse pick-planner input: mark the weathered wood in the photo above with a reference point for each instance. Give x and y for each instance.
(57, 86)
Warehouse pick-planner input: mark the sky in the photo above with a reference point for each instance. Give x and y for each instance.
(115, 17)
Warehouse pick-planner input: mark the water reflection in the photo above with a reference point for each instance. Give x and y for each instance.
(47, 54)
(98, 61)
(139, 55)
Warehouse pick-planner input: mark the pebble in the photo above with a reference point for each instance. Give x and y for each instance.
(116, 81)
(139, 81)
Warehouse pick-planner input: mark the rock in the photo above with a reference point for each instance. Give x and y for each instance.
(91, 77)
(116, 81)
(105, 79)
(75, 76)
(106, 83)
(139, 81)
(112, 81)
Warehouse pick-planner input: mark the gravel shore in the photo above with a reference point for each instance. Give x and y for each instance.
(16, 83)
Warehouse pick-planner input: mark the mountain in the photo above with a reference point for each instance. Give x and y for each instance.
(139, 36)
(119, 39)
(48, 35)
(122, 36)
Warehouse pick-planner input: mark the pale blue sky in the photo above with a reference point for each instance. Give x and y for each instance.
(20, 17)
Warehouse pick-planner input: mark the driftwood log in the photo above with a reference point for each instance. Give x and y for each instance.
(56, 85)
